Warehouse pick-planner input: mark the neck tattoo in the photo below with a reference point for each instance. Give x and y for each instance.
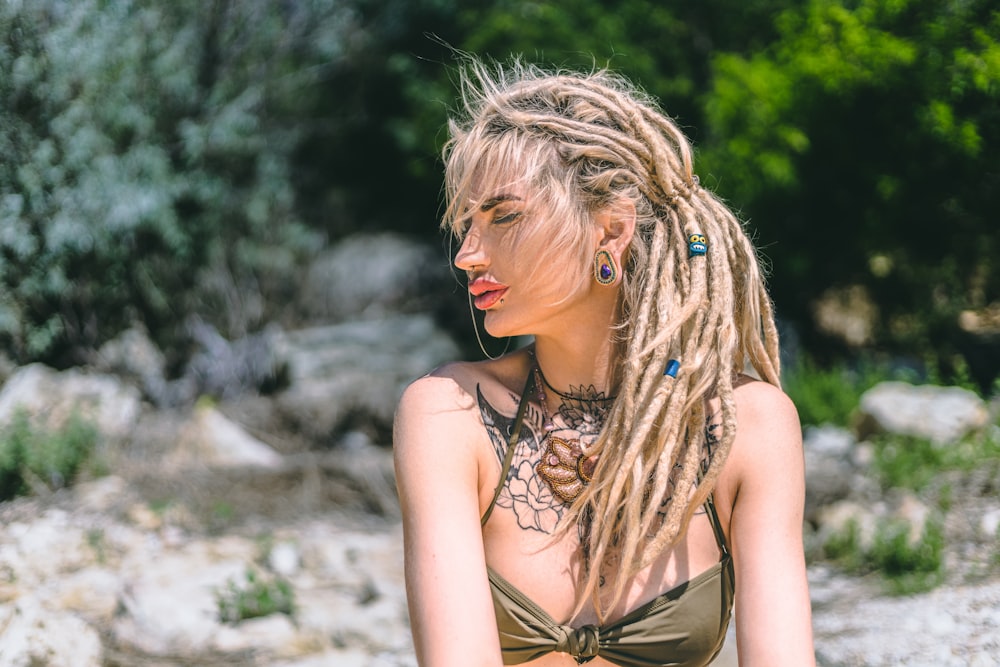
(565, 465)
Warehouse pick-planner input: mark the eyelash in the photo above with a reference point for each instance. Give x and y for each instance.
(505, 219)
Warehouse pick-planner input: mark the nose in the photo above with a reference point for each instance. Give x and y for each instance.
(470, 253)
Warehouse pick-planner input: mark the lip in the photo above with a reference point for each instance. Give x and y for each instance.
(486, 293)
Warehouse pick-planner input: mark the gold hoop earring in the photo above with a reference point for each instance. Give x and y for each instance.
(605, 269)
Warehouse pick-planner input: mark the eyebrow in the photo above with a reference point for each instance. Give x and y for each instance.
(492, 202)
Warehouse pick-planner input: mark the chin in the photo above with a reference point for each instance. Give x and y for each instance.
(498, 326)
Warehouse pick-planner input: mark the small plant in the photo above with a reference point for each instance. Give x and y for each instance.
(34, 457)
(912, 463)
(844, 546)
(96, 541)
(830, 395)
(907, 565)
(256, 597)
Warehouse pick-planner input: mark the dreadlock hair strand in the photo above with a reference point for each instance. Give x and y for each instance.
(582, 142)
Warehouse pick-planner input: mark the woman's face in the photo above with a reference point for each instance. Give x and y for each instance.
(522, 283)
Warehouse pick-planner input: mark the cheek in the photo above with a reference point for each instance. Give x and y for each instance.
(552, 281)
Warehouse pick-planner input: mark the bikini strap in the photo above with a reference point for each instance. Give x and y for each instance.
(713, 517)
(515, 435)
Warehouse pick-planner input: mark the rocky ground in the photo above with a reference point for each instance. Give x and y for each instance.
(283, 501)
(128, 570)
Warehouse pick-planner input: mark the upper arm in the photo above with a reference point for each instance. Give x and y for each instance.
(773, 617)
(451, 612)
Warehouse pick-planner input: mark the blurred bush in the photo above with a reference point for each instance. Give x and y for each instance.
(169, 159)
(862, 143)
(35, 458)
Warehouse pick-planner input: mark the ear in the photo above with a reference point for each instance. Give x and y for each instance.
(614, 227)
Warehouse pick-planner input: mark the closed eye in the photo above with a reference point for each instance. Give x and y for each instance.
(506, 219)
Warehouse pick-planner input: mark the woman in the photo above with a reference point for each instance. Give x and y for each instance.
(598, 495)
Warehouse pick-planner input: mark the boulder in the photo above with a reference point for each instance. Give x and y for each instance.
(170, 599)
(356, 371)
(133, 355)
(51, 398)
(940, 414)
(34, 635)
(829, 471)
(211, 439)
(371, 276)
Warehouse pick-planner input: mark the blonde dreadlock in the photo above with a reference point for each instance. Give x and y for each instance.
(585, 141)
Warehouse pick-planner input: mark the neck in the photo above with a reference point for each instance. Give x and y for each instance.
(570, 363)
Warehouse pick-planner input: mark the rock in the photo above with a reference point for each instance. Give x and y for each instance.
(101, 494)
(51, 398)
(170, 603)
(212, 439)
(373, 276)
(910, 510)
(226, 369)
(835, 519)
(940, 414)
(949, 626)
(338, 657)
(33, 635)
(48, 547)
(989, 523)
(285, 559)
(91, 593)
(133, 355)
(274, 633)
(829, 472)
(355, 372)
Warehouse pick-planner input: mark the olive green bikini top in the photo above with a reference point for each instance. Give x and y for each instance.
(684, 627)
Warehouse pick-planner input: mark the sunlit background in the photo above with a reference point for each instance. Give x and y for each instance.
(220, 263)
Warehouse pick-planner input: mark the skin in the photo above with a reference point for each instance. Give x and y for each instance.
(450, 436)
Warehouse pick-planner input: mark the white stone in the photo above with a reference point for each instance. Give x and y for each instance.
(50, 546)
(835, 518)
(940, 414)
(912, 511)
(100, 494)
(212, 439)
(170, 602)
(33, 635)
(274, 633)
(828, 439)
(91, 593)
(53, 396)
(285, 559)
(989, 523)
(331, 658)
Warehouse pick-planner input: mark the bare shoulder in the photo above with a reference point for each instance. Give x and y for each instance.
(446, 386)
(768, 432)
(761, 404)
(443, 401)
(446, 400)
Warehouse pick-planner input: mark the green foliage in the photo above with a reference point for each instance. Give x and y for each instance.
(147, 166)
(164, 159)
(33, 457)
(830, 395)
(254, 598)
(908, 565)
(845, 546)
(858, 143)
(910, 462)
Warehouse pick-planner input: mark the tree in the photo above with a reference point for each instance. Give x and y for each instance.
(862, 143)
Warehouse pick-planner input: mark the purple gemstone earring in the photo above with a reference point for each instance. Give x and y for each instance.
(605, 271)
